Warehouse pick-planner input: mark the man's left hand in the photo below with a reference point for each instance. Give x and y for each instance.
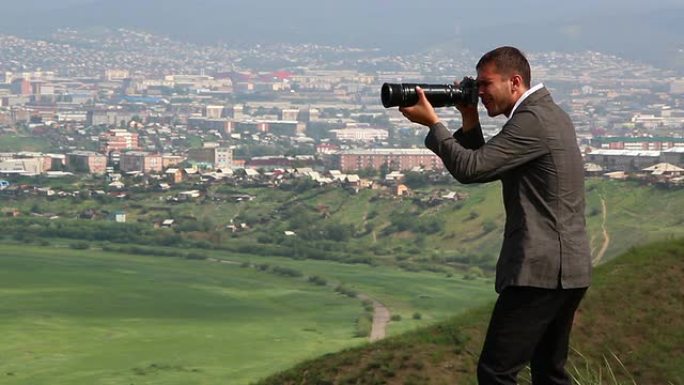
(422, 112)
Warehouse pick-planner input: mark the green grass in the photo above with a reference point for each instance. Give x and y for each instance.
(88, 317)
(435, 296)
(470, 230)
(629, 330)
(636, 214)
(16, 143)
(94, 317)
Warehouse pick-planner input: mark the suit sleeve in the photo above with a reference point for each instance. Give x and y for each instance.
(519, 142)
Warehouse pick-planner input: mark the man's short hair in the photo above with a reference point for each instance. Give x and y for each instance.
(508, 60)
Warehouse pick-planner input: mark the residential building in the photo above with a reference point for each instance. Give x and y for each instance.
(171, 160)
(286, 127)
(116, 74)
(213, 112)
(110, 117)
(202, 123)
(21, 86)
(235, 112)
(288, 114)
(253, 126)
(327, 149)
(360, 134)
(118, 140)
(393, 159)
(212, 157)
(175, 175)
(623, 160)
(86, 161)
(674, 156)
(140, 161)
(636, 143)
(23, 166)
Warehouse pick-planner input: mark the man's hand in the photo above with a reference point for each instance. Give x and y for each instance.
(469, 114)
(422, 112)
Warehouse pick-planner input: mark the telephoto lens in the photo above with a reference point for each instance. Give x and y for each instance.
(439, 95)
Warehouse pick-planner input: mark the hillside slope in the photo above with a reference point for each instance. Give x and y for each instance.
(633, 313)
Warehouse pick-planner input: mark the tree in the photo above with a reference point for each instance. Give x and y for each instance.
(416, 179)
(384, 170)
(338, 232)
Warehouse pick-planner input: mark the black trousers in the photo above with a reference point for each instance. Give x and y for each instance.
(529, 325)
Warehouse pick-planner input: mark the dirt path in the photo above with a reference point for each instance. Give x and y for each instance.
(606, 238)
(223, 261)
(381, 317)
(381, 314)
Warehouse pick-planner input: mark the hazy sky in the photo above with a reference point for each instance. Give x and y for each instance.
(633, 27)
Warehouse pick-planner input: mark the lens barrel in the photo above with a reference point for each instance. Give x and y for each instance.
(439, 95)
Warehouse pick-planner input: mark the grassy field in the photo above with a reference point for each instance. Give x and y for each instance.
(94, 317)
(630, 325)
(23, 143)
(635, 214)
(84, 317)
(435, 296)
(469, 231)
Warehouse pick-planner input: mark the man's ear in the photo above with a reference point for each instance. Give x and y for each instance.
(516, 82)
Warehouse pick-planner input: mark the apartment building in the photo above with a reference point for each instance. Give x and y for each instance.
(636, 143)
(86, 161)
(394, 159)
(212, 157)
(118, 140)
(141, 161)
(359, 134)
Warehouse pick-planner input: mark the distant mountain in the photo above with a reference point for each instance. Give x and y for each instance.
(651, 32)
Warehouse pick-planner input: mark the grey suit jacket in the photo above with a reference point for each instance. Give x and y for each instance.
(539, 164)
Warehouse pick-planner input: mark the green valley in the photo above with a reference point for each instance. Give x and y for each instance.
(248, 282)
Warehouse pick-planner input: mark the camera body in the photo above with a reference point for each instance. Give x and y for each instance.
(439, 95)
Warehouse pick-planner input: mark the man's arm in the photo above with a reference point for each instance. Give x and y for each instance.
(518, 142)
(469, 135)
(471, 139)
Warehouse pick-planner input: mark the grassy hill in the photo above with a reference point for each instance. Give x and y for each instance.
(420, 232)
(105, 317)
(631, 324)
(90, 317)
(415, 255)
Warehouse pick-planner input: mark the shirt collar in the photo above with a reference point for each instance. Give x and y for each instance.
(524, 96)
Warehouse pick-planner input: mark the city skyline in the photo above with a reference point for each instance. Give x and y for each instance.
(397, 26)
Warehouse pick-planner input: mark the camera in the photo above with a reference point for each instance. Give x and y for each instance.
(439, 95)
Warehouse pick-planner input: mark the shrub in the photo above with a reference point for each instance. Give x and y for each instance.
(196, 256)
(286, 271)
(316, 280)
(79, 245)
(346, 291)
(364, 324)
(488, 226)
(473, 273)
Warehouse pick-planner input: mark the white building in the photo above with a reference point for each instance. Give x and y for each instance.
(360, 134)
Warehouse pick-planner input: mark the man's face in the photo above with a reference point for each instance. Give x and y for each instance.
(495, 90)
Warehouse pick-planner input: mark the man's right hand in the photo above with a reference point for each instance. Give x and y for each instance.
(422, 112)
(469, 114)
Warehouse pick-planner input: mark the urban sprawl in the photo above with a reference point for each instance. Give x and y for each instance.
(127, 103)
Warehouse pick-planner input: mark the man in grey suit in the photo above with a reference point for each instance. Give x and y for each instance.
(544, 267)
